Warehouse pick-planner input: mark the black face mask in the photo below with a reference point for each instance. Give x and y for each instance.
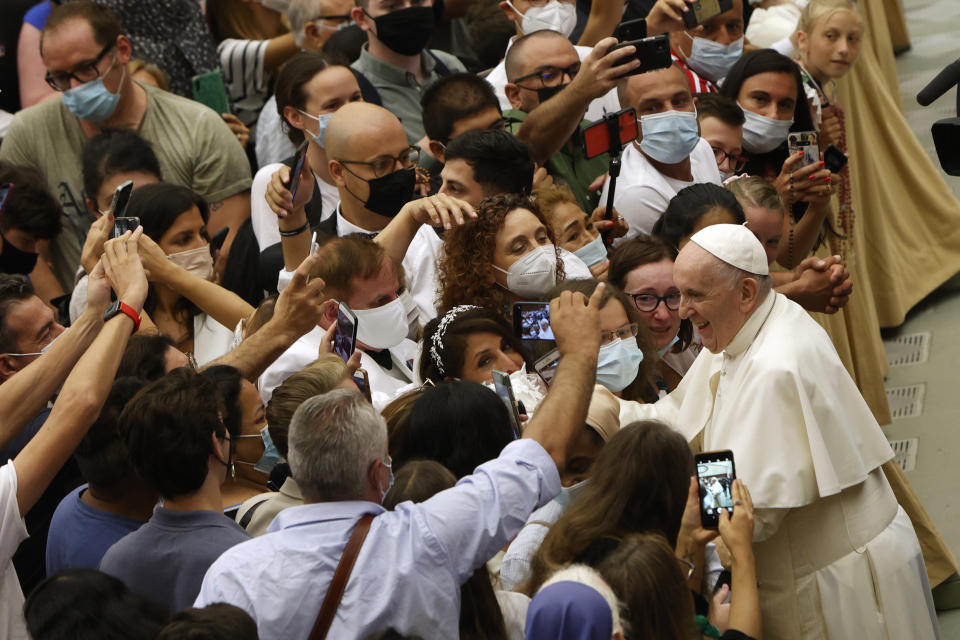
(546, 93)
(389, 193)
(13, 260)
(406, 31)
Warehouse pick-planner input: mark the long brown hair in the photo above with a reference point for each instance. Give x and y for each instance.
(639, 483)
(637, 252)
(466, 267)
(647, 579)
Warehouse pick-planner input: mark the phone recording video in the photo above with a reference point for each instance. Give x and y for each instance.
(547, 365)
(122, 225)
(715, 476)
(345, 337)
(504, 389)
(362, 381)
(806, 142)
(531, 321)
(653, 53)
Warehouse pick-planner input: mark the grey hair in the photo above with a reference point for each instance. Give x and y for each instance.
(730, 276)
(300, 13)
(333, 440)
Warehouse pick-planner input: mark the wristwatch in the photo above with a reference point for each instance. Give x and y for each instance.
(122, 307)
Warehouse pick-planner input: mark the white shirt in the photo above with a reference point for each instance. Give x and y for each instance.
(408, 573)
(262, 217)
(211, 339)
(271, 143)
(643, 193)
(13, 531)
(607, 103)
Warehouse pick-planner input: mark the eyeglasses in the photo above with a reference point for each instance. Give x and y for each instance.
(82, 73)
(549, 76)
(625, 332)
(649, 302)
(382, 165)
(737, 162)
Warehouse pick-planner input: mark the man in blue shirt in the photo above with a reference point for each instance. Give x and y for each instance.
(409, 570)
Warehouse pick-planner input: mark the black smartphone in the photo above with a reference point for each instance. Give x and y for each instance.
(703, 10)
(547, 365)
(715, 476)
(631, 30)
(217, 240)
(834, 159)
(345, 337)
(209, 89)
(122, 225)
(362, 381)
(504, 389)
(297, 170)
(531, 321)
(121, 196)
(596, 137)
(653, 53)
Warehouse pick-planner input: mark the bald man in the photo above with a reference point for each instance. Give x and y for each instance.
(371, 164)
(836, 556)
(668, 155)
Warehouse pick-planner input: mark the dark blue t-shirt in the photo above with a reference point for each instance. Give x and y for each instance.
(80, 534)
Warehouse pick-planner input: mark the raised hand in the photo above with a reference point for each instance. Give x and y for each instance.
(124, 269)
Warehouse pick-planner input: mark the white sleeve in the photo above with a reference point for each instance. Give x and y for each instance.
(13, 529)
(641, 206)
(262, 218)
(241, 62)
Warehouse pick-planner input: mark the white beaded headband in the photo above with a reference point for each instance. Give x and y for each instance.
(437, 340)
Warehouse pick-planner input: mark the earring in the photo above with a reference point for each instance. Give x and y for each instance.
(232, 468)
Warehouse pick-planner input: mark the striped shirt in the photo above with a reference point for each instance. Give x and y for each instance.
(698, 84)
(248, 86)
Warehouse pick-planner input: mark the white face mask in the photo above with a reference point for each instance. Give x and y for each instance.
(712, 59)
(555, 16)
(413, 314)
(384, 327)
(533, 275)
(197, 261)
(762, 134)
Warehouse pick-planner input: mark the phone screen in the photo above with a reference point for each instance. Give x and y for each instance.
(122, 225)
(504, 389)
(596, 137)
(531, 321)
(345, 337)
(363, 383)
(805, 141)
(297, 170)
(547, 366)
(715, 475)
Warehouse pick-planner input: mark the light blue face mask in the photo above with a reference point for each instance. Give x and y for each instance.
(271, 456)
(713, 60)
(569, 494)
(670, 136)
(592, 253)
(662, 352)
(92, 101)
(618, 363)
(322, 120)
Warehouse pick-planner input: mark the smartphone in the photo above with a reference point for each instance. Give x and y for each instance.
(531, 321)
(653, 53)
(547, 365)
(345, 337)
(834, 159)
(631, 30)
(297, 170)
(209, 89)
(596, 137)
(122, 225)
(703, 10)
(715, 475)
(504, 389)
(362, 381)
(121, 196)
(217, 240)
(805, 141)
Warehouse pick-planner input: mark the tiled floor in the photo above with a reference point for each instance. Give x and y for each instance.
(933, 27)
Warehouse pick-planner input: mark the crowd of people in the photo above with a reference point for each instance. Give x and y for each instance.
(317, 319)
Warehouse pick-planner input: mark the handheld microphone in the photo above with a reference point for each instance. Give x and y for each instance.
(944, 81)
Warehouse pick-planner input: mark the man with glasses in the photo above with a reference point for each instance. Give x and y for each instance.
(669, 153)
(721, 124)
(86, 54)
(395, 58)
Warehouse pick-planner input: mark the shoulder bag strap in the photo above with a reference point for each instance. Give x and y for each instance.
(331, 602)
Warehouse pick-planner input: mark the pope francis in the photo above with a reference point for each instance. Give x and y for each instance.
(837, 558)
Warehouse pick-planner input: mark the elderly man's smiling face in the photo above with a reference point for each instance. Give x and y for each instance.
(717, 304)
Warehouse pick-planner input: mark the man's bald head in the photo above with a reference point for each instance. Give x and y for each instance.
(359, 129)
(523, 57)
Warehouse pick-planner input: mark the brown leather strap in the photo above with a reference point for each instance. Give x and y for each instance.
(331, 602)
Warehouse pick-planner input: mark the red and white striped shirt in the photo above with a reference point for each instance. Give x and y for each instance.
(697, 83)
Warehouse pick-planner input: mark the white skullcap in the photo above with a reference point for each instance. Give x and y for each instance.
(734, 244)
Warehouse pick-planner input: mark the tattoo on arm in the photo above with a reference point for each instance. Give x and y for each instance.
(216, 206)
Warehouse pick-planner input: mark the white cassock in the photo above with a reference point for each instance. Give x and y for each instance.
(837, 558)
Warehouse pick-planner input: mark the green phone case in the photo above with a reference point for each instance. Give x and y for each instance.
(208, 89)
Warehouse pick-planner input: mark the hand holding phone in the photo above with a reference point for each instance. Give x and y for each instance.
(345, 336)
(297, 170)
(122, 225)
(807, 143)
(703, 10)
(715, 476)
(653, 53)
(121, 196)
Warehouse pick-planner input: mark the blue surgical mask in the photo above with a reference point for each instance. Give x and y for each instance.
(92, 101)
(388, 463)
(271, 456)
(712, 59)
(662, 352)
(618, 364)
(593, 252)
(670, 136)
(569, 494)
(322, 120)
(762, 134)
